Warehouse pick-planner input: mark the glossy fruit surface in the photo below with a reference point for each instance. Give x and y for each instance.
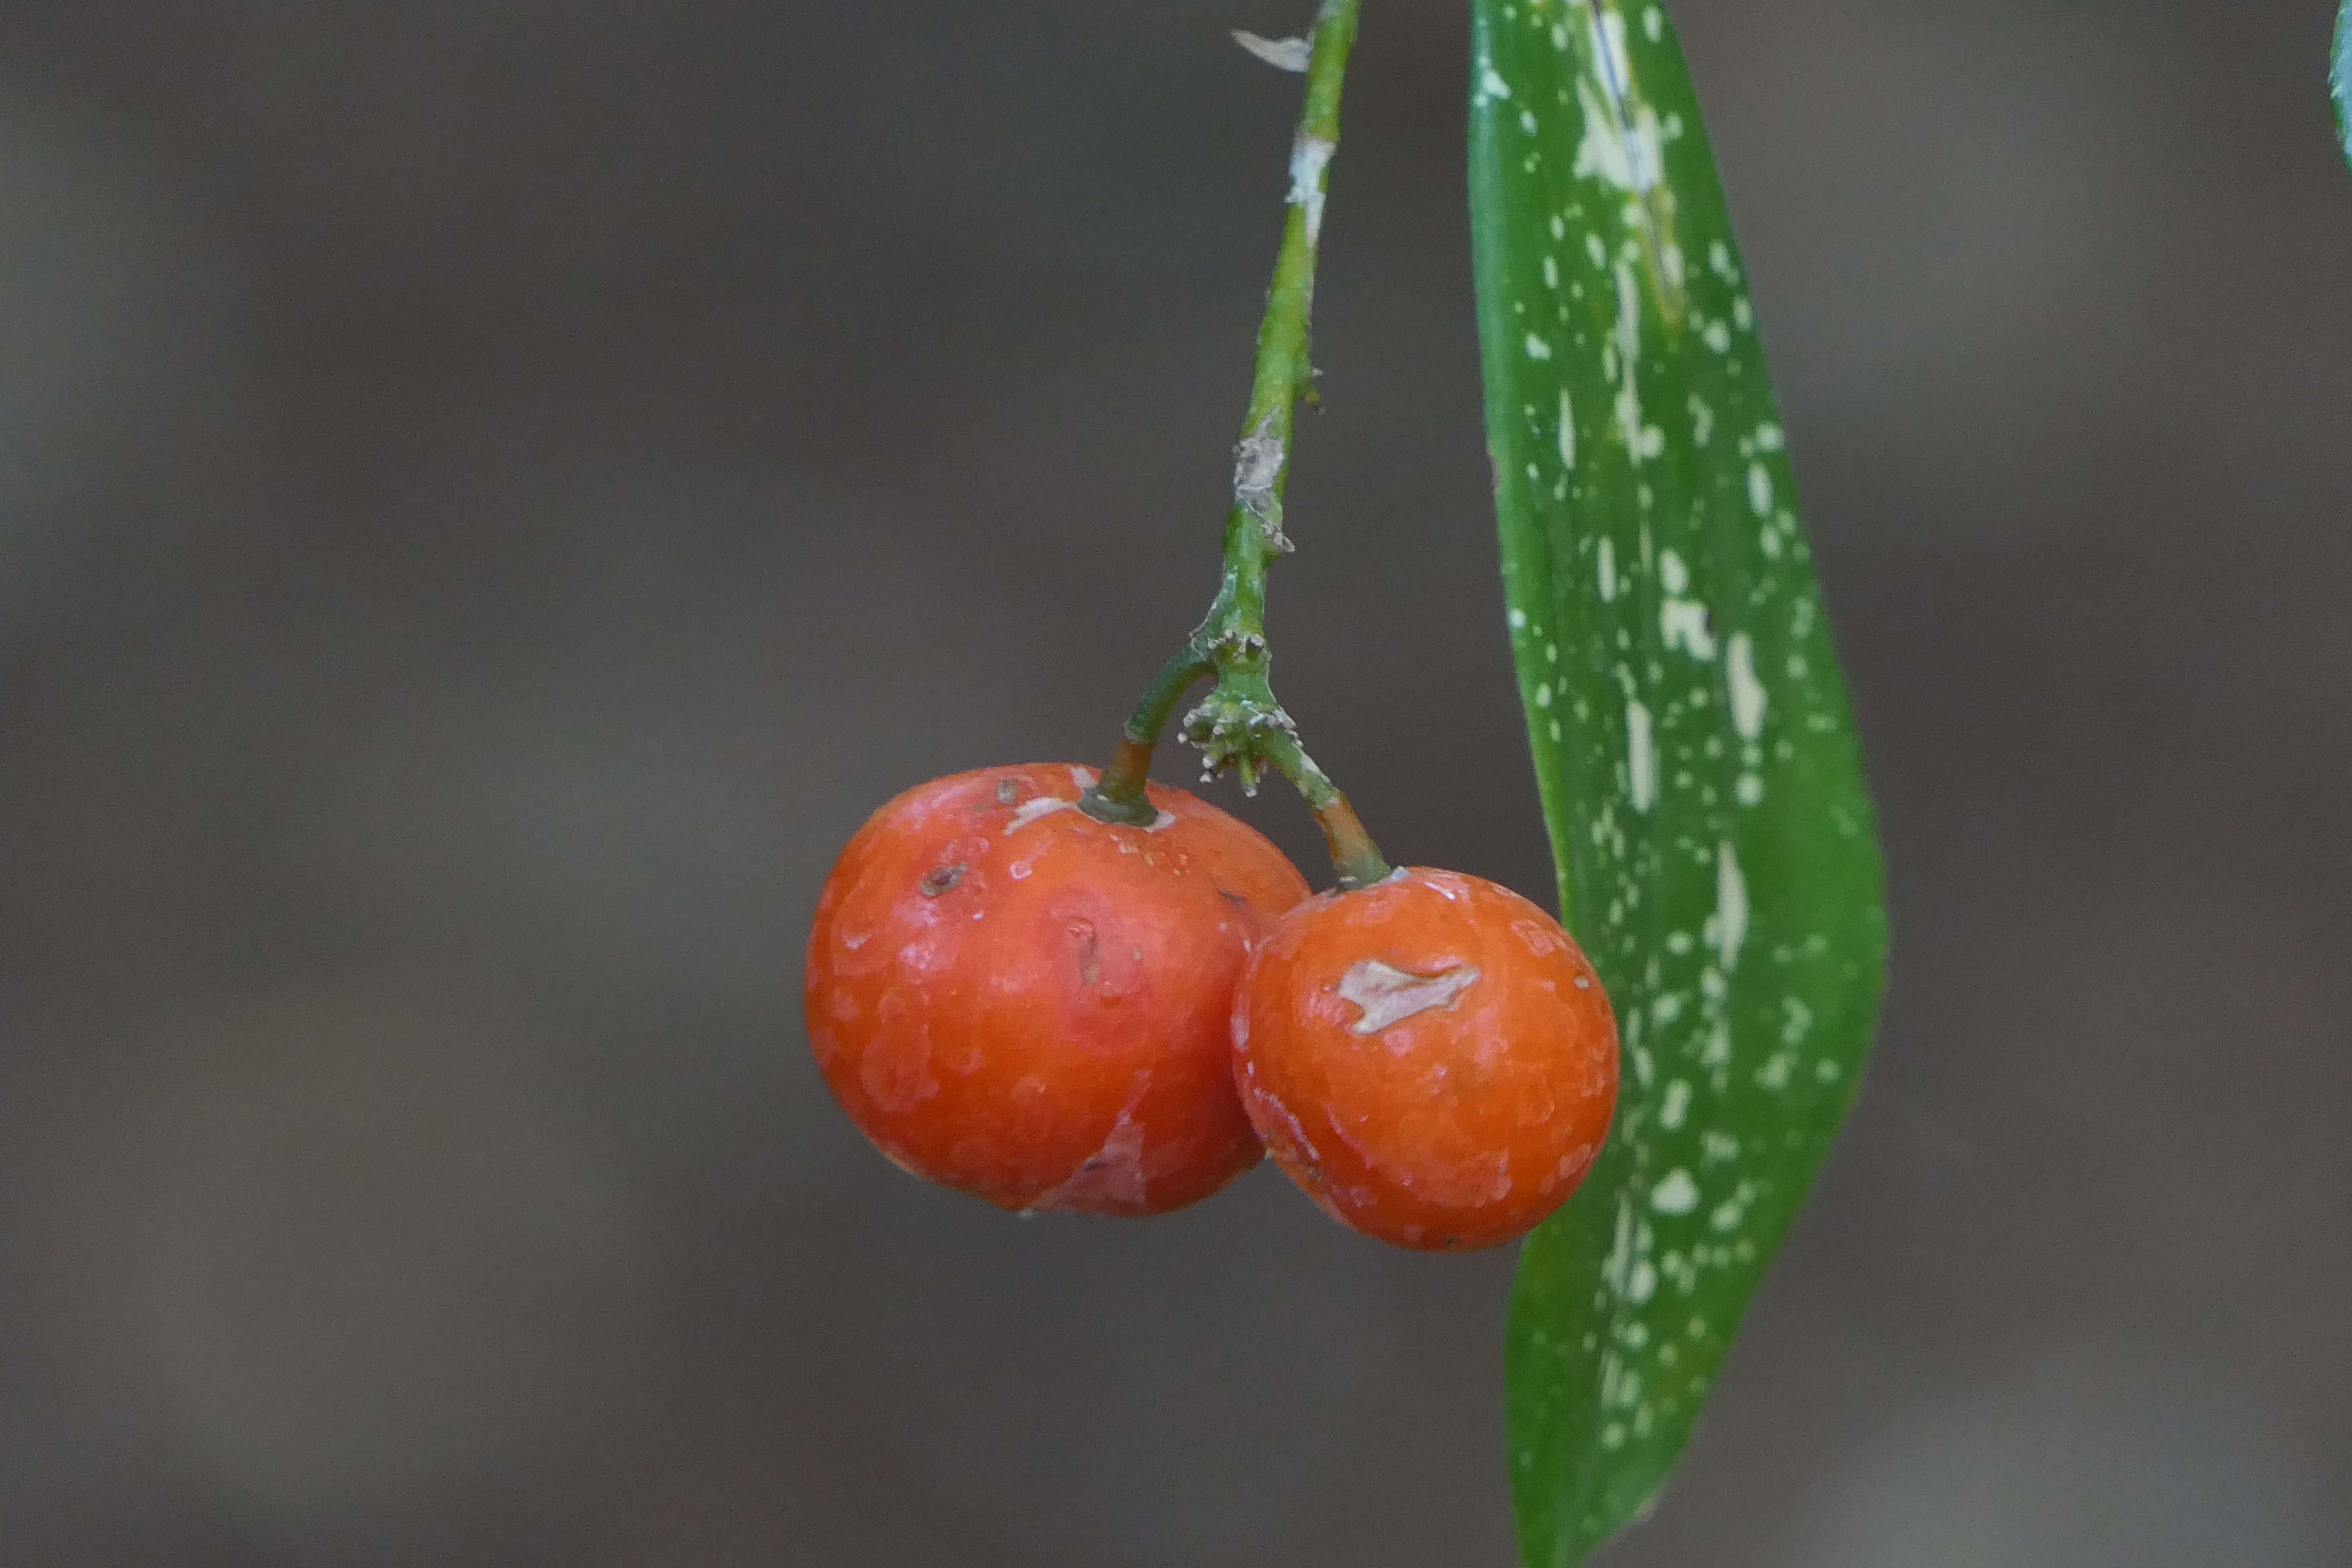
(1430, 1057)
(1021, 1003)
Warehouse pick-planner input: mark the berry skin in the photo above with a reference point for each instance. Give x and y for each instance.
(1430, 1057)
(1017, 1001)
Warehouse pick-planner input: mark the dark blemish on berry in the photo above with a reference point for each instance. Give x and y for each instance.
(1089, 952)
(1007, 791)
(1232, 898)
(940, 880)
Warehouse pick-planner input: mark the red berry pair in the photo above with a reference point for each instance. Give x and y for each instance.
(1051, 1012)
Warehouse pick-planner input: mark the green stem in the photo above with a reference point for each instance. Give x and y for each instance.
(1241, 725)
(1285, 372)
(1118, 795)
(1354, 856)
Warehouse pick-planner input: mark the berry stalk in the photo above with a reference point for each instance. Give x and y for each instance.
(1240, 724)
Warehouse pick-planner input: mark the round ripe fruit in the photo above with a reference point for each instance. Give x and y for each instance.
(1430, 1057)
(1017, 1001)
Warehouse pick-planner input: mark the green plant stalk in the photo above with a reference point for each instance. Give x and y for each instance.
(1240, 725)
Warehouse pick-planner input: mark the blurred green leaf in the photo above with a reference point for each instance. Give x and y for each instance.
(1697, 764)
(2339, 77)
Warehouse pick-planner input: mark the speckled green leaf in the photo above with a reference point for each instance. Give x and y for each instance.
(2339, 77)
(1691, 736)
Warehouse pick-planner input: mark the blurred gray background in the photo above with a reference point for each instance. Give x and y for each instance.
(490, 495)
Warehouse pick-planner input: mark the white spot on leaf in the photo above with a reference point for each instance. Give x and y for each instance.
(1676, 1195)
(1681, 622)
(1748, 699)
(1627, 155)
(1730, 905)
(1641, 757)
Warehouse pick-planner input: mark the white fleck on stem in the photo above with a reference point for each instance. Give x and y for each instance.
(1257, 472)
(1310, 156)
(1282, 53)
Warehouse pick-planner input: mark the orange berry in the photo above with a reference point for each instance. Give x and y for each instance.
(1017, 1001)
(1430, 1057)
